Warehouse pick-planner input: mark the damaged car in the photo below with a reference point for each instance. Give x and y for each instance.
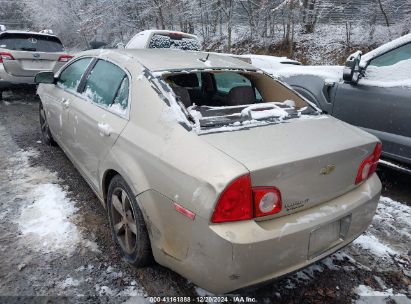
(372, 91)
(208, 165)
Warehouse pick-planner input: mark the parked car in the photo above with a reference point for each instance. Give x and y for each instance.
(23, 54)
(164, 39)
(150, 39)
(372, 92)
(221, 172)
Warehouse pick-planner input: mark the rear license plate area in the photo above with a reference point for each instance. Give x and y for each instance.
(35, 64)
(327, 236)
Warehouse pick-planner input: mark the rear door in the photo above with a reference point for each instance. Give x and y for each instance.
(31, 53)
(381, 102)
(98, 116)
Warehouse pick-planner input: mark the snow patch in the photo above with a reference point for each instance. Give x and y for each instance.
(367, 295)
(70, 282)
(372, 244)
(396, 75)
(47, 214)
(47, 221)
(104, 129)
(203, 293)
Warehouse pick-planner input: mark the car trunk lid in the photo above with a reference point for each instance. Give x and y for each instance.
(310, 160)
(28, 64)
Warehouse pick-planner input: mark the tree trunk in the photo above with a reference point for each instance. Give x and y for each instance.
(383, 13)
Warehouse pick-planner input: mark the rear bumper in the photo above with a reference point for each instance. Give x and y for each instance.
(225, 257)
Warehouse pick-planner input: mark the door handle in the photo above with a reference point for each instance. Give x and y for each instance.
(104, 129)
(66, 103)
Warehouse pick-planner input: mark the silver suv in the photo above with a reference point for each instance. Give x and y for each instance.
(23, 54)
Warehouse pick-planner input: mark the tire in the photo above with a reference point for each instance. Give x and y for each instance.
(127, 224)
(47, 138)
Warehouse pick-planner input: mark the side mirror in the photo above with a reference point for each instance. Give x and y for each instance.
(45, 77)
(120, 46)
(352, 70)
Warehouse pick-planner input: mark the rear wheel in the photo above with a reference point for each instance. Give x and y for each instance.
(127, 224)
(44, 126)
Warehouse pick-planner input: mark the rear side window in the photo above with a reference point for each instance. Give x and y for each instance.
(70, 78)
(393, 57)
(173, 42)
(108, 85)
(31, 43)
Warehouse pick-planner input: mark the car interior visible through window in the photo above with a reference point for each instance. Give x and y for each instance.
(222, 96)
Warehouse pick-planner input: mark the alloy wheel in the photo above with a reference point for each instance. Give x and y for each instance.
(124, 222)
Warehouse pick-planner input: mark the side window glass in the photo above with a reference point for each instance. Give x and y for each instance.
(228, 80)
(121, 101)
(70, 78)
(393, 57)
(103, 83)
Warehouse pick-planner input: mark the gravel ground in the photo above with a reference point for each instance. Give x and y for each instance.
(87, 268)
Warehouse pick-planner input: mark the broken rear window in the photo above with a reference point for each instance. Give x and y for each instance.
(223, 98)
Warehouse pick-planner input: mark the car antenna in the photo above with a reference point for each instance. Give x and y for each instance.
(205, 59)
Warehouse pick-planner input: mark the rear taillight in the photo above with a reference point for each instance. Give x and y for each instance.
(5, 56)
(369, 165)
(65, 58)
(239, 201)
(235, 203)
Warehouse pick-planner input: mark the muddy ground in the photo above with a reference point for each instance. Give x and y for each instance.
(91, 270)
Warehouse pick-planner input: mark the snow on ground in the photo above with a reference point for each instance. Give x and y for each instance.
(372, 244)
(47, 218)
(391, 222)
(367, 295)
(393, 225)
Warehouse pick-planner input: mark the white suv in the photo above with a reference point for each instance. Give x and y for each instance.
(23, 54)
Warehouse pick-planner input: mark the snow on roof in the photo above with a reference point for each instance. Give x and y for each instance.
(385, 48)
(328, 73)
(172, 59)
(26, 32)
(270, 58)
